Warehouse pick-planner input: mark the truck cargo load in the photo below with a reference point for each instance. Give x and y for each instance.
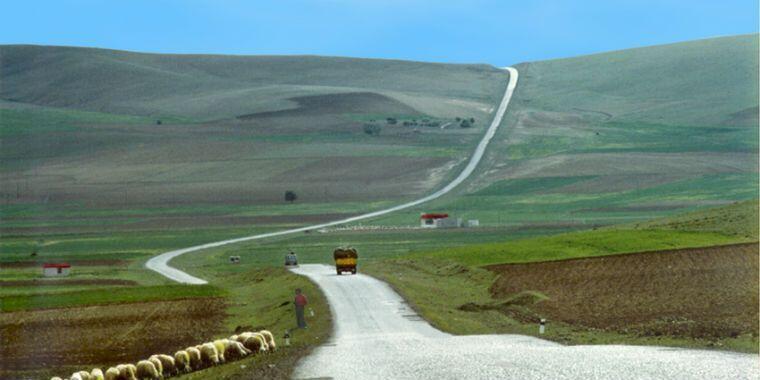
(345, 260)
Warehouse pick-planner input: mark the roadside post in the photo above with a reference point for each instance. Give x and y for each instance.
(287, 337)
(311, 312)
(542, 326)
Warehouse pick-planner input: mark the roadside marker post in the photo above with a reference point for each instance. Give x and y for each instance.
(542, 326)
(287, 337)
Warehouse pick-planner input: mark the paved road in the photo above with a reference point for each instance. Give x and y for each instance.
(377, 336)
(160, 263)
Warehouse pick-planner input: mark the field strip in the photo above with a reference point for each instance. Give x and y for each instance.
(160, 263)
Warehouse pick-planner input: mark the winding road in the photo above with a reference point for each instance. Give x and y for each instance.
(377, 336)
(160, 263)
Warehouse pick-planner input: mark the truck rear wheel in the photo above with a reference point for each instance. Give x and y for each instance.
(353, 271)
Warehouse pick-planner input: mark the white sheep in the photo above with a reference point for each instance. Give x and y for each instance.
(81, 375)
(157, 363)
(256, 343)
(209, 354)
(195, 358)
(96, 374)
(127, 371)
(147, 370)
(220, 346)
(235, 350)
(182, 361)
(243, 336)
(112, 374)
(167, 364)
(269, 339)
(234, 337)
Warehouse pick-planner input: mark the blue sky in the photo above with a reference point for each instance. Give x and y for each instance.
(488, 31)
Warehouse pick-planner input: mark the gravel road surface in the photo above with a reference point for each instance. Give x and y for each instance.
(377, 336)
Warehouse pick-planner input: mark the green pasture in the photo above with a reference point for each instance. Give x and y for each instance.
(106, 296)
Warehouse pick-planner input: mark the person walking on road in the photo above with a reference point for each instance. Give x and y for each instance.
(300, 302)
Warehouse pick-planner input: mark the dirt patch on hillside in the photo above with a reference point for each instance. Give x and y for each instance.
(698, 293)
(351, 102)
(104, 335)
(93, 281)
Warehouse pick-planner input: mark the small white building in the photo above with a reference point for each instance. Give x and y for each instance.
(439, 221)
(56, 270)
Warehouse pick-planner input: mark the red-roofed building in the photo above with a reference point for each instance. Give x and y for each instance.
(53, 270)
(432, 220)
(429, 220)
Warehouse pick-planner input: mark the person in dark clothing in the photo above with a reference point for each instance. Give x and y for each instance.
(300, 302)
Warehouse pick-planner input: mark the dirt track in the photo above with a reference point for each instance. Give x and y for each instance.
(699, 293)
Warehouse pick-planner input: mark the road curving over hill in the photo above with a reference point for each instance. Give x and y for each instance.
(160, 263)
(378, 336)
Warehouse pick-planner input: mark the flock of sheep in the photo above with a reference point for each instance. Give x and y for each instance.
(187, 360)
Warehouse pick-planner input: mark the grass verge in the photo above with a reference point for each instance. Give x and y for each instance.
(261, 298)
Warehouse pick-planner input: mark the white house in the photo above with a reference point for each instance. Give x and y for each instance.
(55, 270)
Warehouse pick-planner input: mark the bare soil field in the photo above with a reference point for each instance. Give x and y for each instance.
(696, 293)
(51, 340)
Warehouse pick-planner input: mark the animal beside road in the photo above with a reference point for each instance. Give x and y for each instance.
(190, 359)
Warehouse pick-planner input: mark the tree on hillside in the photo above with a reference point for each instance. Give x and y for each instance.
(290, 196)
(391, 120)
(372, 129)
(465, 124)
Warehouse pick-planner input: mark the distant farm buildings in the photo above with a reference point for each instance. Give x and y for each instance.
(56, 270)
(432, 220)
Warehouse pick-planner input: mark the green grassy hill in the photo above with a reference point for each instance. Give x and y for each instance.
(732, 224)
(621, 136)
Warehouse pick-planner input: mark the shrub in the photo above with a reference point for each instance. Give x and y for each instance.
(372, 129)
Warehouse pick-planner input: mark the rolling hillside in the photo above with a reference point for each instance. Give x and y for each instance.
(209, 87)
(622, 136)
(148, 142)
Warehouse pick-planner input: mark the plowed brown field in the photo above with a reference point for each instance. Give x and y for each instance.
(103, 335)
(698, 293)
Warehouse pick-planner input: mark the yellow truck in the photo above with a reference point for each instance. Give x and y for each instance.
(345, 260)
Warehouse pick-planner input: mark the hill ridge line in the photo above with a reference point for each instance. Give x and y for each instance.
(160, 263)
